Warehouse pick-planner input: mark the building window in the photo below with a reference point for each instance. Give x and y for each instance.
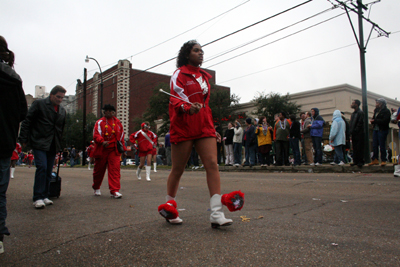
(112, 94)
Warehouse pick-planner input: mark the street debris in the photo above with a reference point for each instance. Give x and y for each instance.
(335, 244)
(344, 201)
(181, 209)
(260, 217)
(244, 218)
(316, 198)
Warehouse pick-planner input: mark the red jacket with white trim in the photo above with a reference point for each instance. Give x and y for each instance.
(17, 150)
(190, 83)
(110, 130)
(142, 142)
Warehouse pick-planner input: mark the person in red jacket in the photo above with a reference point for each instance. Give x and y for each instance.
(145, 143)
(89, 151)
(30, 158)
(192, 124)
(107, 131)
(15, 158)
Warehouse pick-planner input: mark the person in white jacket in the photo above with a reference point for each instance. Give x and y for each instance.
(337, 137)
(237, 143)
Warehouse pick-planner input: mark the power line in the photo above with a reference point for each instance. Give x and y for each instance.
(307, 28)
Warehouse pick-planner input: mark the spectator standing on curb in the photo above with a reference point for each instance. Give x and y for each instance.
(295, 139)
(281, 137)
(397, 166)
(357, 133)
(228, 139)
(73, 156)
(219, 144)
(316, 132)
(380, 122)
(250, 145)
(13, 108)
(264, 138)
(168, 148)
(302, 151)
(237, 143)
(43, 128)
(346, 147)
(337, 137)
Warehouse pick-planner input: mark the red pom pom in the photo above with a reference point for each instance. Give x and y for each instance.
(233, 201)
(168, 210)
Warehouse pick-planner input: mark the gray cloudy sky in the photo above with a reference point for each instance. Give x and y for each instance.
(52, 38)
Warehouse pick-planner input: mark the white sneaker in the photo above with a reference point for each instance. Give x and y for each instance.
(237, 165)
(341, 163)
(317, 164)
(196, 167)
(39, 204)
(1, 247)
(97, 192)
(333, 163)
(116, 195)
(47, 202)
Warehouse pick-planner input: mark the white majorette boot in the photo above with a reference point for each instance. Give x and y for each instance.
(396, 171)
(12, 172)
(89, 166)
(148, 169)
(169, 211)
(138, 170)
(217, 216)
(155, 167)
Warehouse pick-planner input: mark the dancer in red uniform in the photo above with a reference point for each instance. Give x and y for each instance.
(107, 131)
(30, 158)
(145, 144)
(89, 151)
(15, 158)
(192, 124)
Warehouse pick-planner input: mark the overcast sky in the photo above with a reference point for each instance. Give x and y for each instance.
(52, 38)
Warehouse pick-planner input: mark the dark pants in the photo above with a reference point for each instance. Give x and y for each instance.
(282, 152)
(250, 155)
(4, 180)
(264, 151)
(195, 157)
(237, 153)
(316, 140)
(379, 143)
(338, 154)
(219, 154)
(44, 165)
(294, 144)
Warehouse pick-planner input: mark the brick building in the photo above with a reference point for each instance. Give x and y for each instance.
(127, 89)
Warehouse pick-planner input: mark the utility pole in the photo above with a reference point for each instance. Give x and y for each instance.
(84, 117)
(362, 48)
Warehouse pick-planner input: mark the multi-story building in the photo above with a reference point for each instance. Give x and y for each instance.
(127, 89)
(69, 103)
(40, 92)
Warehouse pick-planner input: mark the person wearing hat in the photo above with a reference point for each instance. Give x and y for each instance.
(89, 152)
(146, 142)
(380, 122)
(106, 133)
(42, 129)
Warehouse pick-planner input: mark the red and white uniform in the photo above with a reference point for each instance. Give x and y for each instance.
(90, 150)
(190, 83)
(144, 145)
(30, 157)
(16, 152)
(110, 130)
(155, 141)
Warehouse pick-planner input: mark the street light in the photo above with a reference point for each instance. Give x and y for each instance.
(101, 81)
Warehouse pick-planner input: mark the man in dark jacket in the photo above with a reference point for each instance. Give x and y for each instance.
(316, 132)
(43, 128)
(250, 144)
(380, 122)
(357, 133)
(13, 110)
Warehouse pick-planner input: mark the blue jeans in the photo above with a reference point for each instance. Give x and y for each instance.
(250, 155)
(294, 144)
(237, 153)
(379, 140)
(316, 141)
(338, 154)
(44, 165)
(72, 162)
(4, 180)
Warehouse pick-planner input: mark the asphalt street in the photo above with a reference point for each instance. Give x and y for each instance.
(289, 219)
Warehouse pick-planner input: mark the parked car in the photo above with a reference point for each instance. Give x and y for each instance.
(130, 161)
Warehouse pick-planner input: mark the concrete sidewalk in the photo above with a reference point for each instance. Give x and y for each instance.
(296, 219)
